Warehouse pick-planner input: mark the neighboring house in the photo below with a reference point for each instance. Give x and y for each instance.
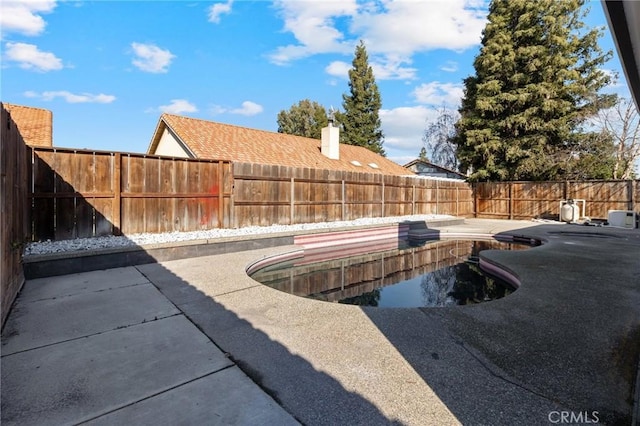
(35, 124)
(180, 136)
(425, 168)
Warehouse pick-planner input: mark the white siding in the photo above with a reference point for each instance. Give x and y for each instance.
(169, 146)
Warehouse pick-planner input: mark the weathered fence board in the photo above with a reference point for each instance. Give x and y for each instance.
(265, 195)
(526, 200)
(14, 210)
(81, 193)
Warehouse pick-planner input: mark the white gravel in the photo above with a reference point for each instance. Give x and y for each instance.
(81, 244)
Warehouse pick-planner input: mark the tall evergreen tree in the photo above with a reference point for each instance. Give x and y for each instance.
(538, 78)
(306, 118)
(360, 121)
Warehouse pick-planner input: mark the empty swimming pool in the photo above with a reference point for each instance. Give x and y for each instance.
(436, 274)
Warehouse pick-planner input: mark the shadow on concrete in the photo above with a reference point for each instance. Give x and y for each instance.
(311, 396)
(568, 340)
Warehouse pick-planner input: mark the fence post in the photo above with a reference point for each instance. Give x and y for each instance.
(292, 204)
(232, 196)
(631, 201)
(474, 189)
(413, 199)
(117, 193)
(220, 194)
(343, 200)
(437, 195)
(510, 201)
(382, 212)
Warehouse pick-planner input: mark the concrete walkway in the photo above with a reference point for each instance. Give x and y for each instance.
(106, 347)
(196, 341)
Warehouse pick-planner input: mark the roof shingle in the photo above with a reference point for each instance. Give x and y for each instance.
(212, 140)
(34, 124)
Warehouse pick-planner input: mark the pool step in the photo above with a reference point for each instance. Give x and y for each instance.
(386, 233)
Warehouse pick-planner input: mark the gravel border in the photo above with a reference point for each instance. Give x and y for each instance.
(84, 244)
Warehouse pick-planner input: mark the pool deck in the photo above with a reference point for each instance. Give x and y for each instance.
(196, 341)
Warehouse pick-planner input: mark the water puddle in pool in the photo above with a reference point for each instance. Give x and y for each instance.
(437, 274)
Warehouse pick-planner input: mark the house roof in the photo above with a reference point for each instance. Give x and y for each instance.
(430, 164)
(212, 140)
(624, 22)
(34, 124)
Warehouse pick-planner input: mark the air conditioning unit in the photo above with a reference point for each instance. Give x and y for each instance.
(622, 218)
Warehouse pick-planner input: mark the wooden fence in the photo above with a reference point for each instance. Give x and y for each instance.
(526, 200)
(14, 201)
(80, 193)
(265, 195)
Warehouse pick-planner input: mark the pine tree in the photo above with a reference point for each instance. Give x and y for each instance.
(360, 121)
(307, 119)
(423, 154)
(538, 77)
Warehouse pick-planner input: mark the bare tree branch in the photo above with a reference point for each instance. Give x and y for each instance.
(438, 137)
(622, 123)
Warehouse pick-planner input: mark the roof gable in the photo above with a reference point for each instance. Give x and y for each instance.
(34, 124)
(212, 140)
(418, 162)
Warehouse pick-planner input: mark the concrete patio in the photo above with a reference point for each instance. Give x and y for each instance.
(196, 341)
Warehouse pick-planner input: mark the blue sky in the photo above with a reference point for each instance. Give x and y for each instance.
(108, 69)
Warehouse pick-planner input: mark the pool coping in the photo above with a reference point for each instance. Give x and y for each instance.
(337, 240)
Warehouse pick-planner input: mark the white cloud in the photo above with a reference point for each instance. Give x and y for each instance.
(30, 58)
(393, 31)
(391, 67)
(72, 98)
(217, 109)
(385, 68)
(248, 108)
(24, 16)
(151, 58)
(178, 106)
(438, 94)
(450, 66)
(405, 27)
(218, 9)
(312, 24)
(338, 69)
(403, 127)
